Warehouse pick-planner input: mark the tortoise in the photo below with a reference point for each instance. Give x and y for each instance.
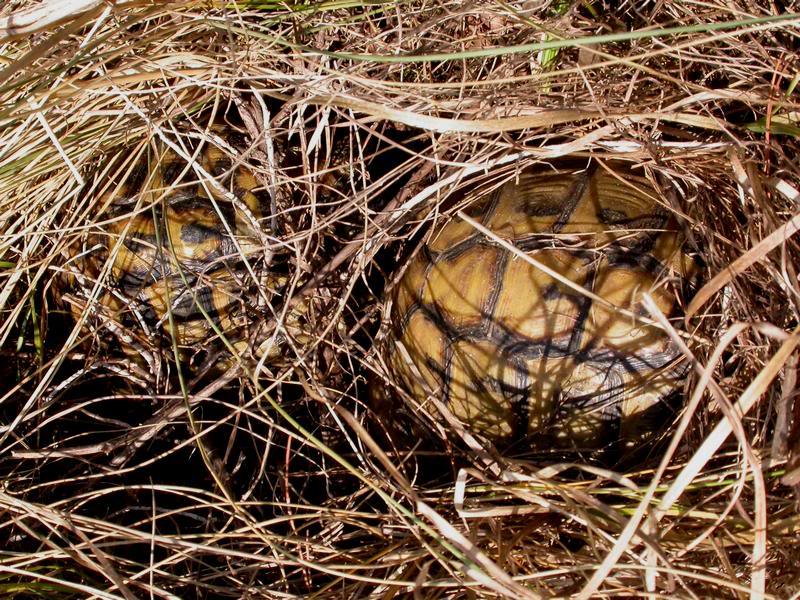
(166, 262)
(182, 254)
(519, 353)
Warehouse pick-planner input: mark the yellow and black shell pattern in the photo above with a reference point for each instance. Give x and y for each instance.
(169, 252)
(514, 351)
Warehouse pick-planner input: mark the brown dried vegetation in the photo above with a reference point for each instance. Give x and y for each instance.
(274, 478)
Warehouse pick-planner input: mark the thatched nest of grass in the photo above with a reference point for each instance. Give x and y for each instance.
(276, 479)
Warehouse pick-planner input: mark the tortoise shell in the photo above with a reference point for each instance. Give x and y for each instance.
(170, 247)
(514, 351)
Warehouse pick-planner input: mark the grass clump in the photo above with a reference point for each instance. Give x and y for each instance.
(275, 477)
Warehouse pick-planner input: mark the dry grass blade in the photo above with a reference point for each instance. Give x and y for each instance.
(494, 578)
(744, 262)
(48, 14)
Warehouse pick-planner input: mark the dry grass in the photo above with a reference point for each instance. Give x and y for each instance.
(272, 478)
